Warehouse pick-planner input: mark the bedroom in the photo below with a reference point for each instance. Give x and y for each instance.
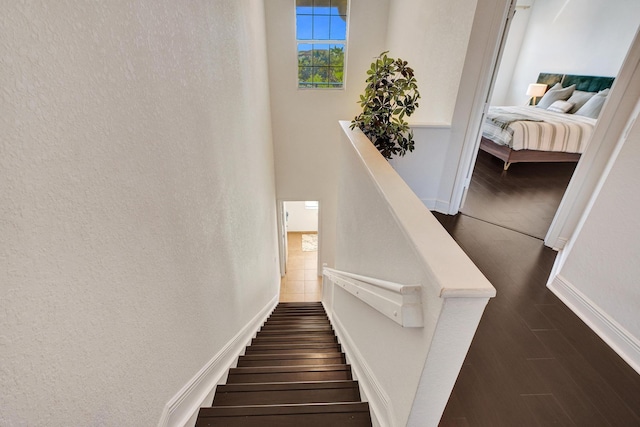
(581, 37)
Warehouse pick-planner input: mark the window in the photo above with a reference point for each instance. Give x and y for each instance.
(311, 204)
(321, 34)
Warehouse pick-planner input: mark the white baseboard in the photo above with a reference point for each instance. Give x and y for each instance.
(436, 205)
(441, 206)
(185, 404)
(429, 203)
(617, 337)
(381, 408)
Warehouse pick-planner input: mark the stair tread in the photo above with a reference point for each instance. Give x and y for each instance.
(273, 369)
(293, 340)
(293, 348)
(291, 327)
(296, 333)
(299, 385)
(298, 321)
(335, 359)
(286, 393)
(306, 408)
(302, 315)
(264, 356)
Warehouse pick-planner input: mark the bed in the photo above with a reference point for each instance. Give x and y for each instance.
(557, 129)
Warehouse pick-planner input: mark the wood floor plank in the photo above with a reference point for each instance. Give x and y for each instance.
(546, 410)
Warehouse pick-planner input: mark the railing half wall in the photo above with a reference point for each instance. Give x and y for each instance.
(406, 362)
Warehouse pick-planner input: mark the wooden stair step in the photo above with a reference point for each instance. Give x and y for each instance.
(304, 321)
(294, 339)
(299, 307)
(288, 315)
(298, 322)
(295, 359)
(297, 319)
(318, 309)
(350, 414)
(267, 328)
(299, 303)
(275, 333)
(286, 393)
(289, 374)
(294, 348)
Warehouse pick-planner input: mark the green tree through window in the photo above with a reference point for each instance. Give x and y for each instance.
(321, 33)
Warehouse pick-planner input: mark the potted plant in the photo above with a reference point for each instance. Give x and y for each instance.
(390, 95)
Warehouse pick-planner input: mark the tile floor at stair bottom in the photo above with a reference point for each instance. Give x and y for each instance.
(301, 282)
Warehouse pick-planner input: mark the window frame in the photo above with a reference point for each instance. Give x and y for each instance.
(330, 42)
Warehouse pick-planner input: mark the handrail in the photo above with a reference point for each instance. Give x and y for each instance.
(400, 303)
(385, 284)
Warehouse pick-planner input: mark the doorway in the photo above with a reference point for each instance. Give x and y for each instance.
(299, 251)
(525, 198)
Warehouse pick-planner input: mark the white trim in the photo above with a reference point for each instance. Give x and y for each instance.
(442, 206)
(400, 303)
(185, 404)
(621, 341)
(370, 388)
(430, 125)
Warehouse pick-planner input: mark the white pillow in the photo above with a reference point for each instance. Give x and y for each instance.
(561, 106)
(556, 93)
(592, 107)
(579, 98)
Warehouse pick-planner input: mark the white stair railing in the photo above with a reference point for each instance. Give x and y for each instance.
(405, 342)
(400, 303)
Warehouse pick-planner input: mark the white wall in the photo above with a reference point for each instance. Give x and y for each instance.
(422, 168)
(432, 35)
(511, 51)
(135, 156)
(601, 260)
(587, 37)
(300, 218)
(305, 122)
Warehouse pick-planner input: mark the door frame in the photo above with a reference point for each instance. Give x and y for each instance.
(283, 229)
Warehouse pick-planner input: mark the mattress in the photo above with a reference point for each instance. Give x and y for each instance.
(531, 128)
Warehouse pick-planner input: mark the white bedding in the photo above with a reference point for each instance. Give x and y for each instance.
(540, 130)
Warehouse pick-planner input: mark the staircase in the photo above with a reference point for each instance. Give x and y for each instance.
(292, 374)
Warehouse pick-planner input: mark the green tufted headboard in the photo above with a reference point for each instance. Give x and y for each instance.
(584, 83)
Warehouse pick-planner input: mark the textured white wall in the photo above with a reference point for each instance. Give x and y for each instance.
(432, 35)
(588, 37)
(305, 122)
(602, 263)
(301, 218)
(137, 201)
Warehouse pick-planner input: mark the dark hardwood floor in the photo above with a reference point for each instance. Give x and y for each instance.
(532, 361)
(524, 198)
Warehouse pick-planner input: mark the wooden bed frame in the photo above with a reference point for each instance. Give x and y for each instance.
(508, 156)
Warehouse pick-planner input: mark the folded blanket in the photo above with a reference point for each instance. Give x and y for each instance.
(503, 120)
